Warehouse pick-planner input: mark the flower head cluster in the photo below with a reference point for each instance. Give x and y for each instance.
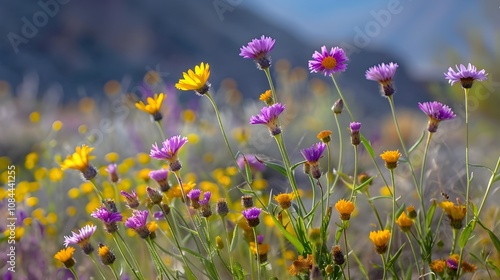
(113, 175)
(131, 199)
(456, 213)
(404, 222)
(284, 200)
(355, 137)
(258, 50)
(152, 106)
(82, 238)
(155, 196)
(345, 209)
(269, 117)
(301, 265)
(328, 62)
(324, 136)
(161, 177)
(380, 238)
(80, 160)
(312, 156)
(252, 216)
(108, 218)
(436, 112)
(465, 75)
(66, 256)
(168, 151)
(138, 223)
(383, 73)
(107, 257)
(391, 158)
(196, 80)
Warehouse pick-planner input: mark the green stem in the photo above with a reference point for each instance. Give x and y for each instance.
(343, 99)
(373, 208)
(490, 183)
(454, 243)
(466, 93)
(130, 254)
(92, 257)
(347, 251)
(414, 254)
(160, 128)
(354, 179)
(228, 244)
(422, 171)
(112, 268)
(393, 211)
(339, 166)
(271, 85)
(256, 252)
(72, 269)
(328, 176)
(384, 264)
(97, 191)
(156, 258)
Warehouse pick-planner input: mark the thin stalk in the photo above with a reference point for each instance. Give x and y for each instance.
(154, 255)
(126, 259)
(414, 254)
(329, 175)
(160, 128)
(373, 208)
(209, 250)
(112, 268)
(384, 265)
(226, 233)
(347, 252)
(132, 256)
(454, 243)
(92, 257)
(97, 191)
(422, 171)
(343, 99)
(72, 269)
(354, 179)
(271, 85)
(391, 171)
(490, 183)
(339, 166)
(256, 252)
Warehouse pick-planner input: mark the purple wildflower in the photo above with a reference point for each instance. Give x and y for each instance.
(252, 216)
(205, 205)
(355, 138)
(355, 126)
(113, 175)
(466, 76)
(328, 62)
(253, 163)
(131, 198)
(313, 153)
(169, 151)
(81, 238)
(138, 223)
(436, 112)
(194, 198)
(161, 177)
(383, 73)
(108, 218)
(258, 50)
(451, 263)
(269, 116)
(260, 238)
(206, 198)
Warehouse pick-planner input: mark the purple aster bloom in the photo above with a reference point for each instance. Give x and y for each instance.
(313, 154)
(251, 213)
(269, 116)
(161, 177)
(383, 73)
(194, 194)
(158, 215)
(206, 198)
(451, 263)
(328, 62)
(138, 223)
(169, 150)
(355, 126)
(253, 163)
(466, 76)
(113, 175)
(131, 198)
(260, 238)
(81, 238)
(106, 216)
(258, 50)
(436, 112)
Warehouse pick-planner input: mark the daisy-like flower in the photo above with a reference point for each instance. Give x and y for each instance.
(436, 112)
(196, 80)
(152, 106)
(465, 75)
(269, 117)
(82, 238)
(452, 262)
(138, 223)
(324, 136)
(438, 266)
(169, 150)
(131, 199)
(355, 138)
(301, 265)
(456, 213)
(328, 62)
(345, 209)
(312, 156)
(404, 222)
(391, 158)
(267, 97)
(66, 257)
(380, 238)
(161, 177)
(252, 216)
(383, 73)
(108, 218)
(80, 160)
(106, 256)
(258, 50)
(284, 200)
(113, 175)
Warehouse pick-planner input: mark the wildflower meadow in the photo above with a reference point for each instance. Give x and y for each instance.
(285, 186)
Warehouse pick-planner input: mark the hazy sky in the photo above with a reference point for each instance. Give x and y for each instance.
(420, 31)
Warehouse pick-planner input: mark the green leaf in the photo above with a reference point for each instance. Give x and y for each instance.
(417, 143)
(493, 237)
(295, 242)
(496, 178)
(465, 234)
(400, 210)
(248, 171)
(379, 197)
(238, 272)
(276, 167)
(491, 264)
(360, 187)
(234, 239)
(480, 166)
(430, 215)
(245, 191)
(395, 256)
(367, 145)
(297, 165)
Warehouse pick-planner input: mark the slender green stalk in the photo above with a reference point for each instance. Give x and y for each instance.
(343, 99)
(346, 250)
(339, 165)
(391, 171)
(132, 256)
(271, 85)
(414, 254)
(466, 94)
(156, 259)
(72, 269)
(228, 244)
(112, 268)
(454, 243)
(207, 248)
(256, 252)
(354, 179)
(97, 191)
(160, 128)
(367, 192)
(422, 171)
(92, 257)
(384, 264)
(329, 175)
(126, 259)
(490, 183)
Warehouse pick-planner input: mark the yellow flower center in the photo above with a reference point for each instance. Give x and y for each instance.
(329, 62)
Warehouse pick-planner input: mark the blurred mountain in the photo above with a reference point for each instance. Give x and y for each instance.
(83, 44)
